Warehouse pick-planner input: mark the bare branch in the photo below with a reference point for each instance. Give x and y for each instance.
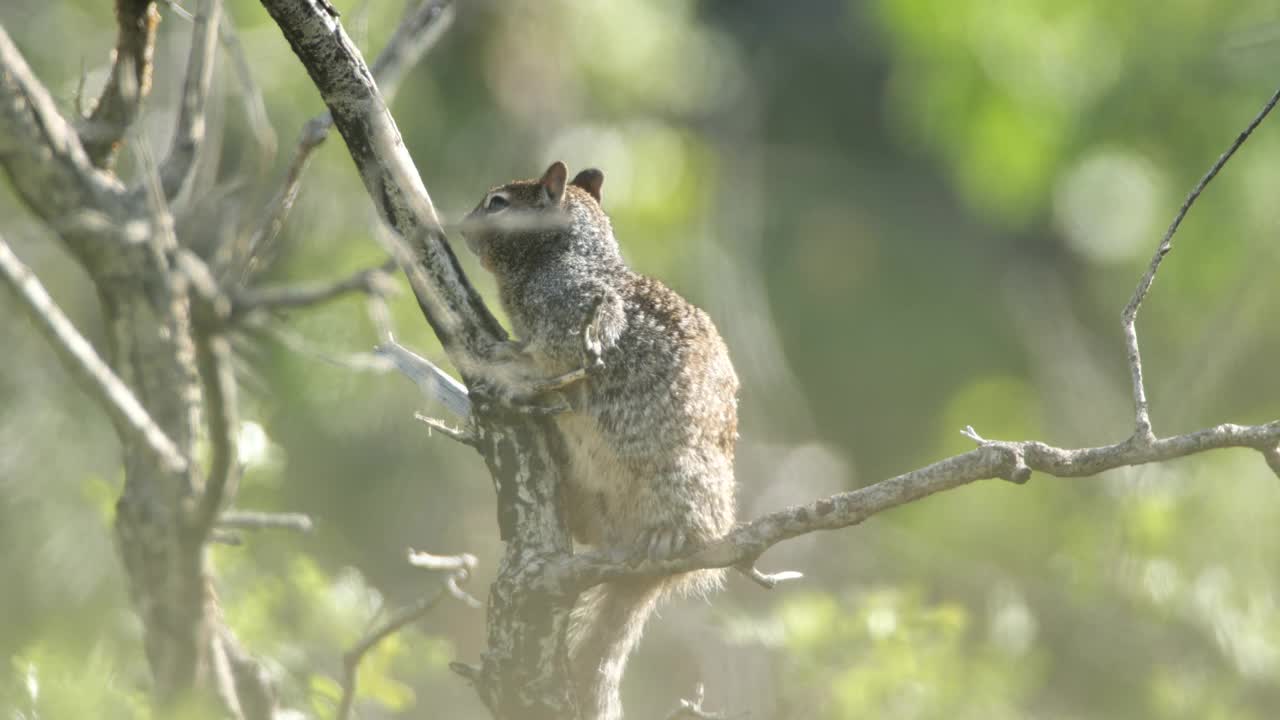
(417, 33)
(453, 433)
(693, 708)
(292, 340)
(128, 84)
(370, 281)
(213, 357)
(428, 561)
(435, 384)
(83, 362)
(461, 566)
(421, 28)
(189, 133)
(993, 460)
(277, 211)
(454, 309)
(248, 520)
(768, 581)
(1142, 422)
(43, 158)
(255, 106)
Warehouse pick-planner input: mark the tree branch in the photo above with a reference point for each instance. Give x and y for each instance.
(47, 166)
(1142, 412)
(369, 281)
(189, 133)
(419, 30)
(460, 566)
(248, 520)
(83, 361)
(452, 306)
(417, 33)
(128, 84)
(434, 383)
(748, 541)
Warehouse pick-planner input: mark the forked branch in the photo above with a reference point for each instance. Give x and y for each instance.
(1142, 431)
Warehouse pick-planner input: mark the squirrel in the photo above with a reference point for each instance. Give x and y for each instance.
(649, 432)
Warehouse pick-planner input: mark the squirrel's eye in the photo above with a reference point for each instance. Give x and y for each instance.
(496, 203)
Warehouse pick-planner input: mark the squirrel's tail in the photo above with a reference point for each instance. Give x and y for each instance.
(605, 628)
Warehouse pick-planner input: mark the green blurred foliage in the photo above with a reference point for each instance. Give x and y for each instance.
(907, 216)
(885, 653)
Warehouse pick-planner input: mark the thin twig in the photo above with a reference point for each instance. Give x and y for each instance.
(296, 342)
(83, 361)
(693, 708)
(255, 106)
(240, 259)
(419, 30)
(1143, 432)
(417, 33)
(460, 565)
(189, 133)
(250, 520)
(371, 281)
(213, 357)
(768, 581)
(456, 434)
(429, 561)
(351, 660)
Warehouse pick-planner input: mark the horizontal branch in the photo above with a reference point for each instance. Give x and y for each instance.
(83, 362)
(1009, 460)
(369, 281)
(250, 520)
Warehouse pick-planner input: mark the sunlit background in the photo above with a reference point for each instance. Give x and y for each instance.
(906, 216)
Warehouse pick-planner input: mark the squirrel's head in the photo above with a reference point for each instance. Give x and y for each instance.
(542, 219)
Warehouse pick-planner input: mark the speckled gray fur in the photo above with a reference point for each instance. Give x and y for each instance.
(650, 437)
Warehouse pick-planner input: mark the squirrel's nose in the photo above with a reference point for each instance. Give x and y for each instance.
(469, 224)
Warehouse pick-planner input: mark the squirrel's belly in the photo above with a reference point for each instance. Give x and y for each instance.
(594, 466)
(599, 486)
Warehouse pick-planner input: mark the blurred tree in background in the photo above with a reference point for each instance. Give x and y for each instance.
(905, 215)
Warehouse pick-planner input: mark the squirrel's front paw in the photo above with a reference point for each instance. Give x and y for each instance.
(488, 395)
(592, 344)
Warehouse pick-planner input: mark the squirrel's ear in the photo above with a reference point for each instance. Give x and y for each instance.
(553, 182)
(590, 180)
